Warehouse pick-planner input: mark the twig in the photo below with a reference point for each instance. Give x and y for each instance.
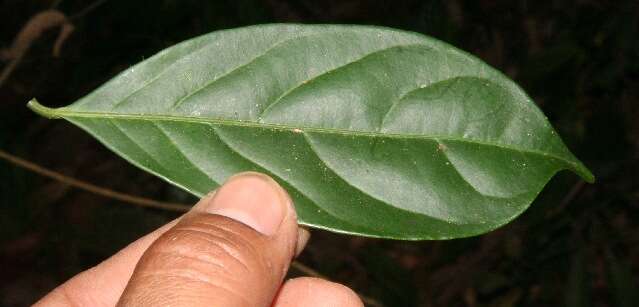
(306, 270)
(65, 32)
(139, 201)
(131, 199)
(30, 32)
(572, 194)
(87, 9)
(34, 28)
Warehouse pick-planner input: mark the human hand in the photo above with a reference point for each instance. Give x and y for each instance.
(232, 249)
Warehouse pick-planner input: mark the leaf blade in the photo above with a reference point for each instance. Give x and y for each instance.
(443, 144)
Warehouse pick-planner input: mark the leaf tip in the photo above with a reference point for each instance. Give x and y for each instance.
(589, 177)
(35, 106)
(585, 174)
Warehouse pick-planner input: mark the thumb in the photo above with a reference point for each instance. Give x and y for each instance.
(232, 249)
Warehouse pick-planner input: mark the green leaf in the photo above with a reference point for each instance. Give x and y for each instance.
(373, 131)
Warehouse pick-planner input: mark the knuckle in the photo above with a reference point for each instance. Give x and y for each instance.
(205, 245)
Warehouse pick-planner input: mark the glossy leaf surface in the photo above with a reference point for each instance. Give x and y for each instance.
(373, 131)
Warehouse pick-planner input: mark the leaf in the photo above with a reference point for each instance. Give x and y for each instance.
(373, 131)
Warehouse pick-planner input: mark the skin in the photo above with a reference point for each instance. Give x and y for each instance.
(232, 249)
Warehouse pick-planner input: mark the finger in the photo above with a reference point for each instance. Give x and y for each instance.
(316, 292)
(236, 253)
(303, 235)
(103, 284)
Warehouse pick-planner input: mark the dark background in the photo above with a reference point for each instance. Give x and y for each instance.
(575, 246)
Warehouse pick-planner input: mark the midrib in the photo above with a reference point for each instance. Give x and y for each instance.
(64, 113)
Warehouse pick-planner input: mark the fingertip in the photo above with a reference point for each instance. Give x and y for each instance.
(253, 199)
(303, 235)
(310, 291)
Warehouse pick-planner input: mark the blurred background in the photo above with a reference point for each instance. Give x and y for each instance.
(578, 59)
